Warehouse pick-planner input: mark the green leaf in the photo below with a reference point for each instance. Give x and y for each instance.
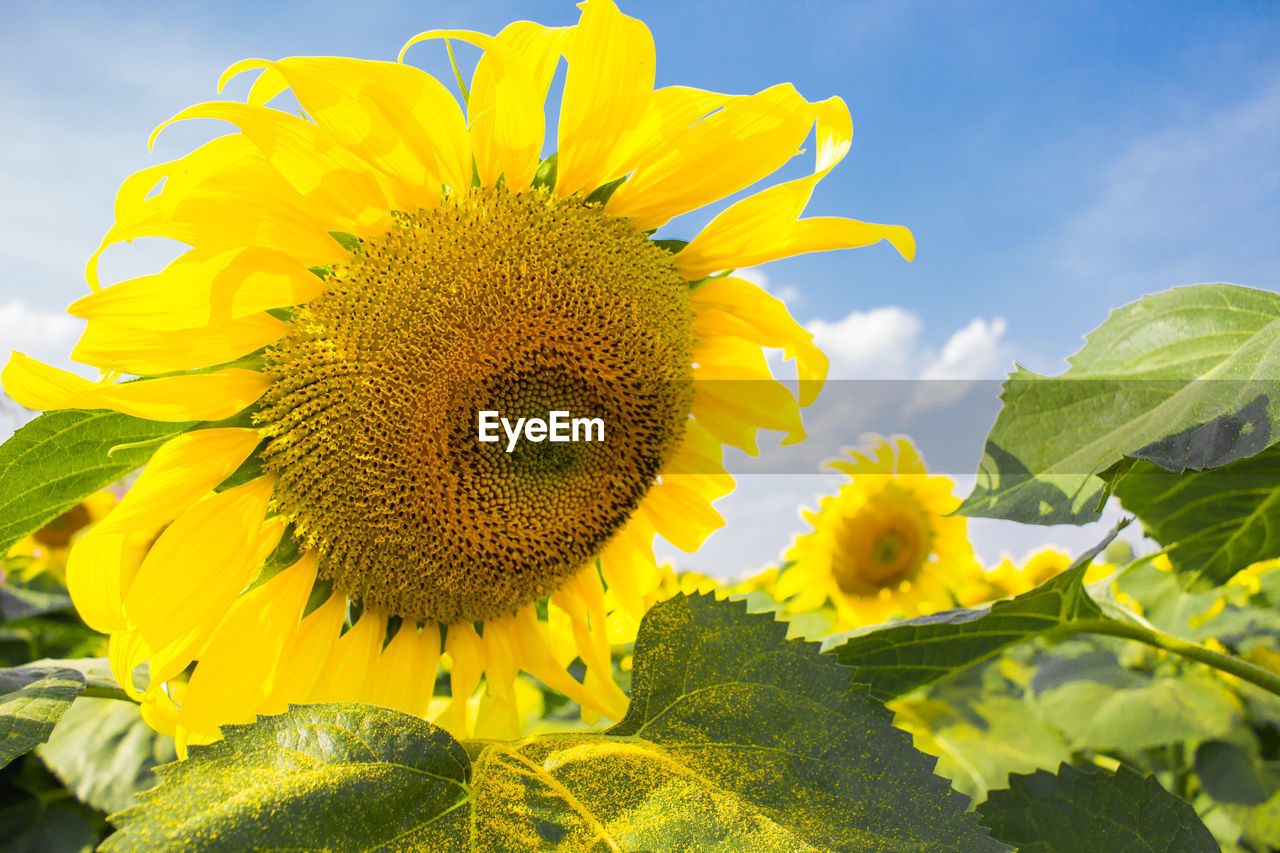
(1185, 379)
(786, 730)
(1146, 713)
(350, 242)
(980, 743)
(18, 602)
(545, 176)
(1092, 810)
(32, 700)
(736, 739)
(1230, 774)
(38, 815)
(60, 458)
(911, 654)
(335, 777)
(1214, 523)
(601, 194)
(95, 672)
(1167, 605)
(28, 825)
(105, 752)
(1262, 825)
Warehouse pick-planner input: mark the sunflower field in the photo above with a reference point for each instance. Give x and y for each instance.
(351, 545)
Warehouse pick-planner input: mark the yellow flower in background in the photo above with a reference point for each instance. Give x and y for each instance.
(1008, 578)
(365, 279)
(883, 546)
(45, 551)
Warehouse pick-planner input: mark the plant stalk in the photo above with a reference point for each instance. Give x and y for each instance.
(1230, 664)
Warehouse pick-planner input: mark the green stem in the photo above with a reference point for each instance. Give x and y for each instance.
(1236, 666)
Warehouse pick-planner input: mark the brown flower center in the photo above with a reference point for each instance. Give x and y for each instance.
(519, 304)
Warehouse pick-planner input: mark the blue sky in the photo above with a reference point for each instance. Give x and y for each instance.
(1054, 160)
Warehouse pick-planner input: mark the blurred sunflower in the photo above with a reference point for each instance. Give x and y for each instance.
(883, 546)
(1008, 578)
(363, 280)
(45, 551)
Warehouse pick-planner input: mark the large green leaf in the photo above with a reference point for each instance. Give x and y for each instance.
(1214, 523)
(736, 739)
(60, 458)
(32, 700)
(911, 654)
(1186, 379)
(105, 752)
(1094, 811)
(1144, 713)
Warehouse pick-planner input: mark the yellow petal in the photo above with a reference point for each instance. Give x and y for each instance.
(734, 395)
(628, 566)
(507, 119)
(343, 191)
(303, 662)
(606, 93)
(751, 233)
(95, 579)
(350, 668)
(181, 472)
(224, 195)
(405, 675)
(499, 717)
(126, 651)
(146, 352)
(763, 320)
(266, 86)
(670, 111)
(199, 397)
(238, 663)
(582, 598)
(701, 455)
(910, 461)
(537, 49)
(723, 153)
(466, 653)
(681, 515)
(535, 657)
(200, 563)
(162, 715)
(398, 118)
(196, 291)
(764, 226)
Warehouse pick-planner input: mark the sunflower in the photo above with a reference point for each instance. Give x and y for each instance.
(45, 551)
(883, 546)
(366, 278)
(1008, 578)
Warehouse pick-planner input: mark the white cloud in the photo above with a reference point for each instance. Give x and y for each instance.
(876, 344)
(885, 343)
(45, 335)
(974, 352)
(788, 293)
(1172, 204)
